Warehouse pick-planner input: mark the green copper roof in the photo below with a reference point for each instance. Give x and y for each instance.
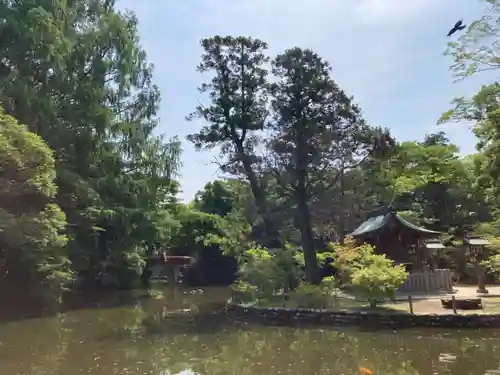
(377, 222)
(370, 225)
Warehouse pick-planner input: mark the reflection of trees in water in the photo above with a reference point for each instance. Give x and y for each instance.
(319, 352)
(143, 339)
(276, 350)
(480, 354)
(42, 354)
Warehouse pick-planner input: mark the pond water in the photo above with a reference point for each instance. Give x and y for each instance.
(115, 335)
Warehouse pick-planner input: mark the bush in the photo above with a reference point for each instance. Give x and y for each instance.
(373, 276)
(243, 292)
(492, 254)
(348, 258)
(310, 296)
(269, 272)
(315, 296)
(379, 280)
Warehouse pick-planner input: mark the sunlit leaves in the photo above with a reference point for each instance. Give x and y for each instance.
(75, 74)
(31, 227)
(477, 50)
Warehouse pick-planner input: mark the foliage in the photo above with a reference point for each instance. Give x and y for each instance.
(493, 264)
(217, 198)
(259, 269)
(315, 132)
(310, 296)
(270, 271)
(32, 227)
(89, 190)
(437, 185)
(232, 236)
(474, 52)
(379, 279)
(188, 238)
(84, 85)
(349, 258)
(373, 276)
(315, 296)
(477, 50)
(237, 110)
(492, 256)
(244, 292)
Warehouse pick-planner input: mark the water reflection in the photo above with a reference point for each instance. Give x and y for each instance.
(146, 337)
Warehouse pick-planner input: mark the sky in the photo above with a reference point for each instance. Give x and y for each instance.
(388, 54)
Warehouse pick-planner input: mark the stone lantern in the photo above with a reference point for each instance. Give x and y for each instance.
(432, 247)
(478, 254)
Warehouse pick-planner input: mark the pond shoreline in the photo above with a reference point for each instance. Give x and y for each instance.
(317, 317)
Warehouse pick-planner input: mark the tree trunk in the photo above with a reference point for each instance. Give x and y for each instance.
(306, 235)
(271, 232)
(342, 209)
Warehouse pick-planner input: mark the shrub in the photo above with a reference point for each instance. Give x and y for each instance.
(269, 272)
(310, 296)
(378, 280)
(329, 284)
(348, 258)
(243, 292)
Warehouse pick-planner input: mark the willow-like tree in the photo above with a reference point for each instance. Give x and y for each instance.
(317, 131)
(76, 75)
(235, 116)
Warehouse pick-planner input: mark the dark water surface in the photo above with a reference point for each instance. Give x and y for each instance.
(142, 336)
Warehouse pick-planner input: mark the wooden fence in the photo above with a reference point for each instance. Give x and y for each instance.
(428, 282)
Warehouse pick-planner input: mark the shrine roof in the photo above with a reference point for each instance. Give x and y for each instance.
(378, 222)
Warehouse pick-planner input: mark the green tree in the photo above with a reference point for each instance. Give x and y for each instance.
(189, 236)
(474, 52)
(379, 279)
(314, 124)
(373, 276)
(215, 198)
(477, 50)
(32, 239)
(431, 179)
(75, 74)
(235, 117)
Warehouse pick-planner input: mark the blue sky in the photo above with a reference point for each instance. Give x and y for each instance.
(386, 53)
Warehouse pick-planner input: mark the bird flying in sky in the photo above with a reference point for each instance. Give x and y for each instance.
(458, 26)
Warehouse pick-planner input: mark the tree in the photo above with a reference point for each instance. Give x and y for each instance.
(187, 238)
(268, 273)
(316, 131)
(237, 112)
(380, 279)
(431, 180)
(374, 276)
(32, 239)
(215, 198)
(477, 50)
(75, 74)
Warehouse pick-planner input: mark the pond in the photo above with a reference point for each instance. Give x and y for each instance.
(115, 335)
